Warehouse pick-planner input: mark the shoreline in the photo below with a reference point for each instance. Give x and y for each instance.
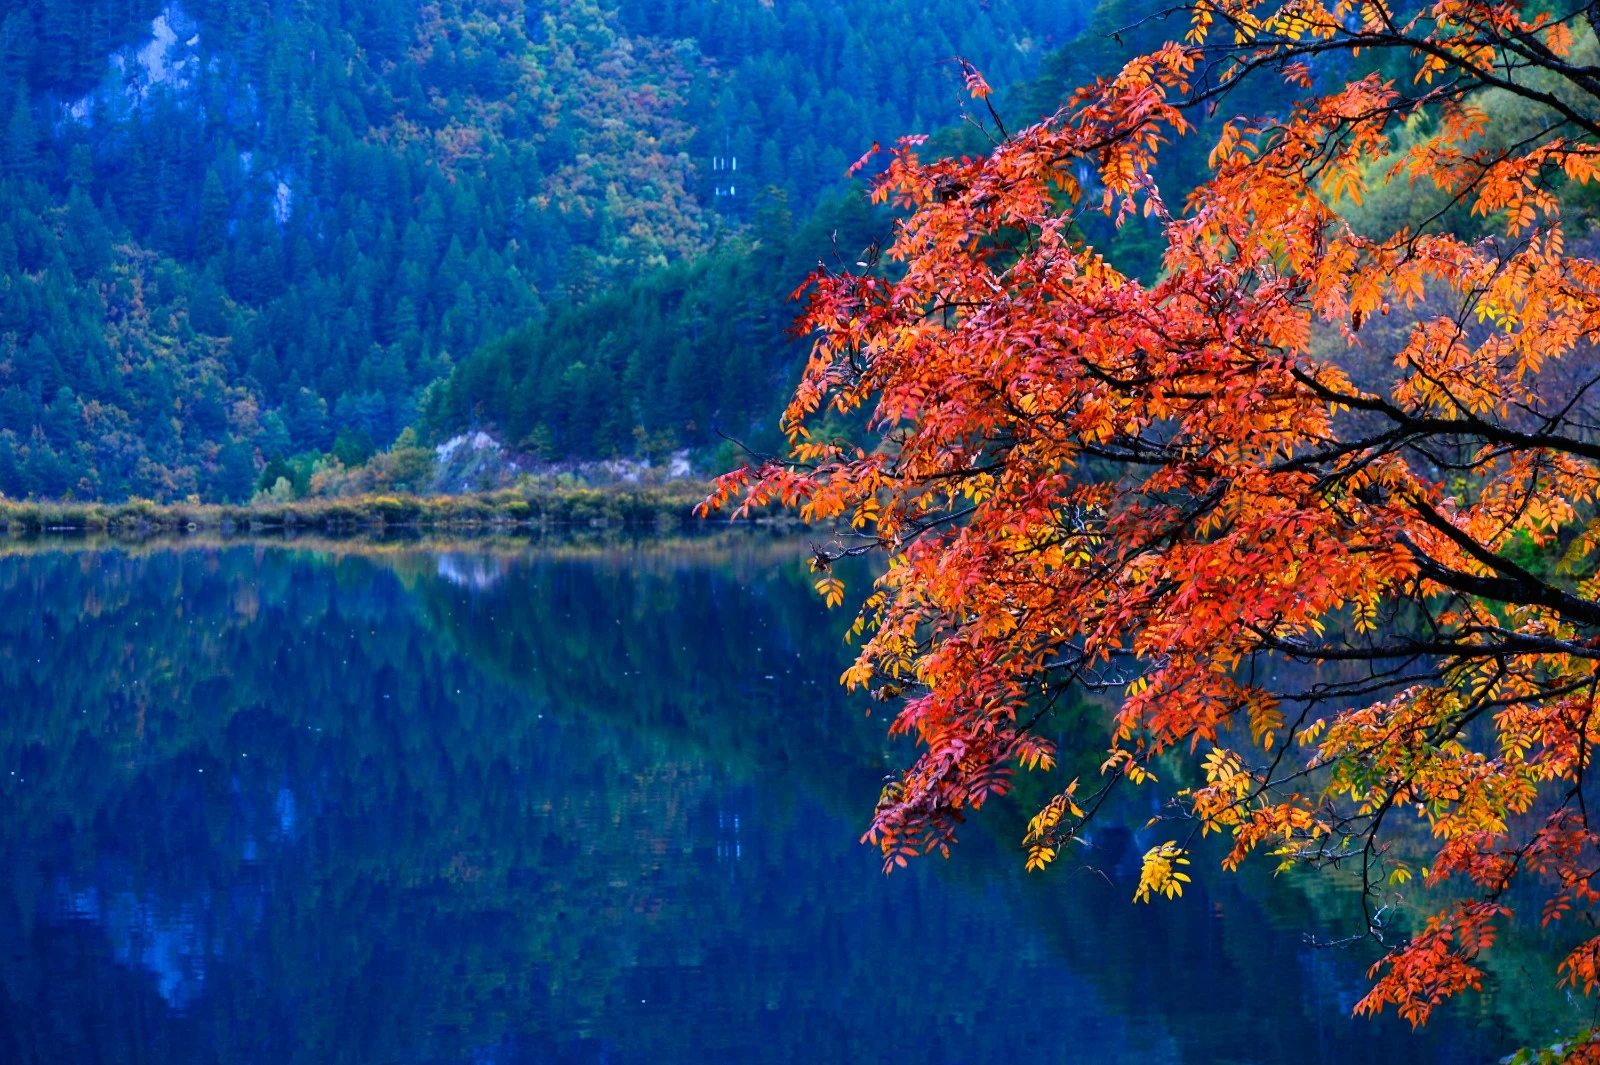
(631, 507)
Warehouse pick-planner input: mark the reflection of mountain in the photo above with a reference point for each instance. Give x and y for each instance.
(736, 660)
(166, 940)
(280, 806)
(470, 571)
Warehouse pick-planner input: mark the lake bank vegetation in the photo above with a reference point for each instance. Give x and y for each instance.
(750, 547)
(531, 506)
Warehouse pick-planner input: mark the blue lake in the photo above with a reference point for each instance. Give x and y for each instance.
(501, 801)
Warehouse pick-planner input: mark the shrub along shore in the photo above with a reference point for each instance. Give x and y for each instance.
(669, 506)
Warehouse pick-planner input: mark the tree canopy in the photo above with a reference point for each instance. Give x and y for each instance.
(231, 230)
(1315, 504)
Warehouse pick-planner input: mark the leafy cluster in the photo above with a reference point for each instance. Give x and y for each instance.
(1301, 578)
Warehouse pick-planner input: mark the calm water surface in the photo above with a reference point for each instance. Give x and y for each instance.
(557, 803)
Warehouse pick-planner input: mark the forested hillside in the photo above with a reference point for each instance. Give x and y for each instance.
(692, 355)
(233, 231)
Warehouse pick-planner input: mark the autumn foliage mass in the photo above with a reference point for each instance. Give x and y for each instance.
(1316, 505)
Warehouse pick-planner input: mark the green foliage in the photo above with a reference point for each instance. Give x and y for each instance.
(352, 447)
(1579, 1048)
(669, 360)
(228, 226)
(804, 87)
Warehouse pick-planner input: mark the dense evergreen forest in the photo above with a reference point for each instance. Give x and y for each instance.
(234, 231)
(242, 241)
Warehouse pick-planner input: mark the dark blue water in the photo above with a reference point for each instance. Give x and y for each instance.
(562, 803)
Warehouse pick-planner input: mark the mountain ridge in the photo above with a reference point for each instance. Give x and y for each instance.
(233, 232)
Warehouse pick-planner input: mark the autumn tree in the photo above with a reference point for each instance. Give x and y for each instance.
(1363, 605)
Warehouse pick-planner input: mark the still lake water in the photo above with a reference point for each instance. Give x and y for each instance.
(501, 802)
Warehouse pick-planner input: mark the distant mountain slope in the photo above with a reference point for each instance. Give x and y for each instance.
(232, 230)
(807, 85)
(693, 355)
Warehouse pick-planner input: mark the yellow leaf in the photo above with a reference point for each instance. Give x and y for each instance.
(832, 591)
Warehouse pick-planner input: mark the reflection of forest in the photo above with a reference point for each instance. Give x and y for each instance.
(572, 803)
